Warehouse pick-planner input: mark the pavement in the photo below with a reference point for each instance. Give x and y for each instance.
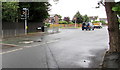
(24, 40)
(15, 41)
(111, 60)
(92, 57)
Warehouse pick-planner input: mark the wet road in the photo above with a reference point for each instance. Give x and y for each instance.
(71, 48)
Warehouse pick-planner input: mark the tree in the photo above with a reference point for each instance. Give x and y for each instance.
(67, 19)
(86, 18)
(60, 17)
(38, 10)
(113, 27)
(10, 11)
(78, 18)
(63, 22)
(116, 8)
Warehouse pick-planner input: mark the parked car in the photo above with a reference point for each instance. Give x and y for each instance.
(87, 26)
(40, 28)
(97, 25)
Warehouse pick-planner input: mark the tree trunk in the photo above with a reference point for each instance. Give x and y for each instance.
(113, 28)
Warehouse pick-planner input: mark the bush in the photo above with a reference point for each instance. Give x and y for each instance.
(103, 22)
(63, 22)
(71, 23)
(79, 23)
(119, 20)
(47, 24)
(95, 21)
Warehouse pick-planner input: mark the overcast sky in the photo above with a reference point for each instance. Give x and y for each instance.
(68, 8)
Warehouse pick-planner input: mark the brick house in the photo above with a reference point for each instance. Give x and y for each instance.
(53, 19)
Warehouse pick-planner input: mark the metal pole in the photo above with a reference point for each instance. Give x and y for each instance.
(75, 23)
(25, 26)
(26, 22)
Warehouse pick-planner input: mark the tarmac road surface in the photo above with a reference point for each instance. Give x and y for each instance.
(71, 48)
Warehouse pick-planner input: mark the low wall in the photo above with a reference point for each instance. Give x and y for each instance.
(65, 25)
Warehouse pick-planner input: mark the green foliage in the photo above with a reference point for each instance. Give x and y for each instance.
(60, 17)
(119, 20)
(78, 18)
(47, 24)
(95, 21)
(71, 23)
(116, 8)
(86, 18)
(38, 10)
(63, 22)
(103, 22)
(10, 11)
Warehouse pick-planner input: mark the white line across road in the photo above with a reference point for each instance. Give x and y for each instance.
(28, 47)
(11, 51)
(41, 44)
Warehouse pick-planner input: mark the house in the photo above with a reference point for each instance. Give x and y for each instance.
(103, 19)
(53, 19)
(93, 18)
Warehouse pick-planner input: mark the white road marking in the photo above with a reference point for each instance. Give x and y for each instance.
(28, 47)
(51, 41)
(41, 44)
(11, 51)
(9, 44)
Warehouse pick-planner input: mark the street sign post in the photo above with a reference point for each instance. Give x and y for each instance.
(25, 15)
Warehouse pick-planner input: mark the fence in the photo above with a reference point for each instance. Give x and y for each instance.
(54, 28)
(16, 29)
(12, 32)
